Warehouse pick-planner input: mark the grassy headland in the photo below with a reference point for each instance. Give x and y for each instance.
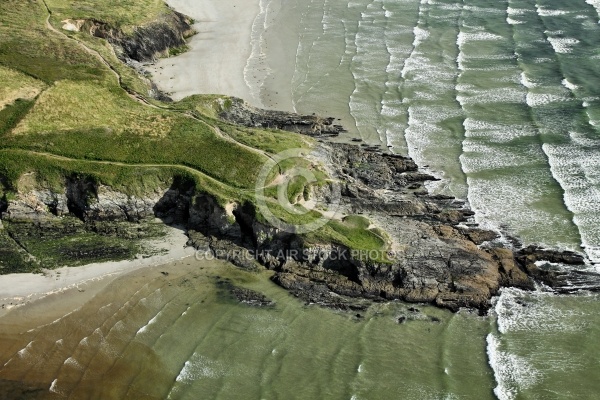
(69, 106)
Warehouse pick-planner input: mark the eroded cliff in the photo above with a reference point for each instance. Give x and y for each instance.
(433, 256)
(144, 43)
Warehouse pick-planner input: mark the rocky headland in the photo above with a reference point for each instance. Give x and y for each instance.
(436, 255)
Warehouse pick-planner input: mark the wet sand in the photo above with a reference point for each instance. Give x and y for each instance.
(249, 49)
(218, 54)
(81, 283)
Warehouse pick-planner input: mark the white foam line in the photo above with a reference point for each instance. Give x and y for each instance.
(368, 49)
(562, 45)
(565, 82)
(595, 4)
(537, 315)
(512, 21)
(53, 387)
(151, 322)
(512, 373)
(545, 12)
(72, 362)
(253, 75)
(418, 34)
(525, 81)
(576, 168)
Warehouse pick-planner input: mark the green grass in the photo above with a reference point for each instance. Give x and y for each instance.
(72, 105)
(29, 47)
(353, 232)
(124, 14)
(175, 51)
(130, 79)
(131, 180)
(12, 114)
(15, 85)
(74, 118)
(208, 108)
(206, 105)
(190, 145)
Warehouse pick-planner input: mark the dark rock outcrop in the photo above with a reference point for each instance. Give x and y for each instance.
(436, 255)
(238, 112)
(145, 43)
(250, 297)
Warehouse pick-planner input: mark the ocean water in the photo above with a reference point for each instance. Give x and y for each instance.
(182, 336)
(500, 99)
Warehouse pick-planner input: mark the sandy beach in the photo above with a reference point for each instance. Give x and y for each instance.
(218, 53)
(81, 283)
(247, 49)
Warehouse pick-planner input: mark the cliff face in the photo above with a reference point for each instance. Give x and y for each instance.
(436, 258)
(146, 43)
(81, 197)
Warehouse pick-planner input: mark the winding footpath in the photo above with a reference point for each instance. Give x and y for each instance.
(141, 99)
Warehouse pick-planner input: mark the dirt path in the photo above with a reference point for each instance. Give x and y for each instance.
(140, 99)
(136, 96)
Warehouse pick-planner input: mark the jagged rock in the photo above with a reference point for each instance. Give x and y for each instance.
(237, 255)
(433, 257)
(238, 112)
(114, 206)
(250, 297)
(36, 205)
(145, 43)
(534, 253)
(317, 293)
(479, 236)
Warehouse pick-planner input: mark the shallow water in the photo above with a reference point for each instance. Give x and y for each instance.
(182, 336)
(499, 98)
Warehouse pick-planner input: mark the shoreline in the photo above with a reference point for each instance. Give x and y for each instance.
(19, 289)
(246, 50)
(217, 54)
(25, 289)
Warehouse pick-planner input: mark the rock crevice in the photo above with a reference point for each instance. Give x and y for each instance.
(436, 255)
(146, 43)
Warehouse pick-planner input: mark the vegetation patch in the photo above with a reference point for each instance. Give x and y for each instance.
(70, 106)
(12, 114)
(15, 85)
(28, 47)
(175, 51)
(12, 257)
(65, 113)
(124, 14)
(355, 233)
(69, 242)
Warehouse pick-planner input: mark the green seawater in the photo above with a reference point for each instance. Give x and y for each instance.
(183, 336)
(500, 99)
